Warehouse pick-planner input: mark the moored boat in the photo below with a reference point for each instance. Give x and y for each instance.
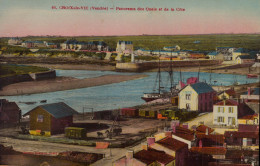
(252, 76)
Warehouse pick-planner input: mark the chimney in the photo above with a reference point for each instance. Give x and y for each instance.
(185, 125)
(168, 134)
(129, 154)
(248, 91)
(144, 146)
(200, 144)
(150, 140)
(207, 131)
(174, 123)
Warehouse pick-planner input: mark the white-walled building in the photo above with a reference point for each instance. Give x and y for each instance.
(126, 47)
(225, 113)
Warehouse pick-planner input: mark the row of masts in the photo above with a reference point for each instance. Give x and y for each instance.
(181, 79)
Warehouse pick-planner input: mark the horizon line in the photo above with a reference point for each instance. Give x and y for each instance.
(254, 33)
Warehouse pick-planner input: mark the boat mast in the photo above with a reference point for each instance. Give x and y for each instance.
(159, 73)
(210, 75)
(171, 73)
(180, 74)
(199, 74)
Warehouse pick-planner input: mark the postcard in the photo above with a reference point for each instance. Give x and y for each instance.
(119, 82)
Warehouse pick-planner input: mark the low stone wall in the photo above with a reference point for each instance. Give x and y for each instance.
(43, 75)
(26, 77)
(164, 64)
(14, 79)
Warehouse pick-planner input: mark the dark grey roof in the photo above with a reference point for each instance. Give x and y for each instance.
(57, 110)
(202, 87)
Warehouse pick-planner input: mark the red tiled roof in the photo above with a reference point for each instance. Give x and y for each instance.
(183, 130)
(237, 134)
(227, 102)
(249, 117)
(236, 154)
(224, 164)
(246, 128)
(219, 138)
(184, 133)
(151, 155)
(202, 129)
(172, 143)
(209, 150)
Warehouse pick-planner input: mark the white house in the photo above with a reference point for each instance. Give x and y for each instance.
(225, 113)
(126, 47)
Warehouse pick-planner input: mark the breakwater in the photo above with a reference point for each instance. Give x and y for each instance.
(4, 81)
(143, 66)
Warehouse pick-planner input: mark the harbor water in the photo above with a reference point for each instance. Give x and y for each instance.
(117, 95)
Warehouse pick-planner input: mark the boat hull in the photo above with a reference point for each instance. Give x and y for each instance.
(148, 99)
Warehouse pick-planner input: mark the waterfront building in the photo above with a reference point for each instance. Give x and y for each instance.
(226, 52)
(10, 113)
(239, 52)
(52, 45)
(197, 97)
(215, 56)
(245, 59)
(50, 119)
(73, 44)
(252, 95)
(33, 44)
(15, 41)
(125, 47)
(172, 48)
(196, 55)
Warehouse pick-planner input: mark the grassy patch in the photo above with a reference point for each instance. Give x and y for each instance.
(13, 69)
(207, 42)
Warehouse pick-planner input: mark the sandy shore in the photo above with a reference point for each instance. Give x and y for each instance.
(63, 83)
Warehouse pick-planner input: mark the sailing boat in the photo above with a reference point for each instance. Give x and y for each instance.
(161, 94)
(156, 95)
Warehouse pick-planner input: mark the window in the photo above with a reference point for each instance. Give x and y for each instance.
(188, 96)
(221, 109)
(253, 140)
(230, 120)
(188, 106)
(220, 119)
(230, 109)
(255, 121)
(40, 118)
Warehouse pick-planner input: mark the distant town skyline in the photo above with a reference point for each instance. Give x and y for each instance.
(37, 18)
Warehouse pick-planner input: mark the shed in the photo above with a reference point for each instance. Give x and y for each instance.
(10, 113)
(50, 119)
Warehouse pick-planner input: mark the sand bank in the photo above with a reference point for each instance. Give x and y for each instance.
(63, 83)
